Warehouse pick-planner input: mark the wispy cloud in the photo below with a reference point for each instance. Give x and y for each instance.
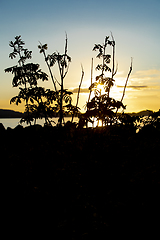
(151, 76)
(149, 72)
(83, 90)
(134, 87)
(140, 80)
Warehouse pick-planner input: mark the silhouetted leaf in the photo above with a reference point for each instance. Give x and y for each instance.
(95, 47)
(99, 55)
(69, 58)
(106, 39)
(12, 55)
(11, 44)
(45, 46)
(99, 67)
(10, 69)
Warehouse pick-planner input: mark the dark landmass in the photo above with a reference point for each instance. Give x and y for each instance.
(82, 183)
(141, 113)
(5, 113)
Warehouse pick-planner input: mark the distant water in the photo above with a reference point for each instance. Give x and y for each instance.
(13, 122)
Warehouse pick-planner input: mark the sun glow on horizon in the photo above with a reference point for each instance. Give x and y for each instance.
(100, 88)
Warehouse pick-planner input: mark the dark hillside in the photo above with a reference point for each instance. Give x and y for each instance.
(5, 113)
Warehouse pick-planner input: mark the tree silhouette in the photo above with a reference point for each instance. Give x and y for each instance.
(102, 106)
(64, 96)
(46, 103)
(37, 99)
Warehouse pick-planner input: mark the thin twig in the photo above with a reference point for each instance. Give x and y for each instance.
(113, 44)
(91, 79)
(62, 74)
(67, 69)
(130, 70)
(79, 90)
(80, 86)
(45, 57)
(127, 80)
(57, 81)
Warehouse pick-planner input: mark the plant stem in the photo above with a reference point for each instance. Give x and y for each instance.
(61, 69)
(50, 70)
(127, 80)
(130, 70)
(79, 90)
(113, 45)
(91, 79)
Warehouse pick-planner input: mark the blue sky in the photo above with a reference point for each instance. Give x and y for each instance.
(134, 24)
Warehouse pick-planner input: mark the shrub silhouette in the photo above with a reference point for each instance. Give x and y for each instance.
(64, 96)
(40, 102)
(27, 76)
(102, 106)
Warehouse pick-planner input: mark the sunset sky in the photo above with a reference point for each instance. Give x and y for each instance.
(134, 24)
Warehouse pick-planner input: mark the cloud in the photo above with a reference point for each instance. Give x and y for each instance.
(83, 90)
(150, 72)
(134, 87)
(146, 75)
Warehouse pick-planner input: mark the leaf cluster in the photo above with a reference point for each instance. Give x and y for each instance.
(153, 119)
(28, 73)
(39, 102)
(103, 67)
(34, 112)
(19, 50)
(101, 54)
(104, 101)
(102, 47)
(102, 107)
(106, 82)
(66, 97)
(42, 48)
(35, 95)
(62, 60)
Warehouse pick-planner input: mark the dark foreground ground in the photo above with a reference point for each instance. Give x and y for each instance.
(81, 184)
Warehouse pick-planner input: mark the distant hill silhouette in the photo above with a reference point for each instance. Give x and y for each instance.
(6, 113)
(141, 113)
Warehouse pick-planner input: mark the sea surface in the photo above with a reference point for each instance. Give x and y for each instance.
(13, 122)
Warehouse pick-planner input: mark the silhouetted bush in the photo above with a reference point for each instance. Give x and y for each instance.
(2, 128)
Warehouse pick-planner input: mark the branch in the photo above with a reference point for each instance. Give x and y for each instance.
(91, 79)
(79, 90)
(45, 57)
(57, 81)
(66, 70)
(126, 83)
(66, 45)
(80, 85)
(127, 80)
(113, 45)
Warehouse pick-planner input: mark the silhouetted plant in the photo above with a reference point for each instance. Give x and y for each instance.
(43, 49)
(37, 99)
(153, 119)
(41, 103)
(64, 96)
(129, 121)
(102, 106)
